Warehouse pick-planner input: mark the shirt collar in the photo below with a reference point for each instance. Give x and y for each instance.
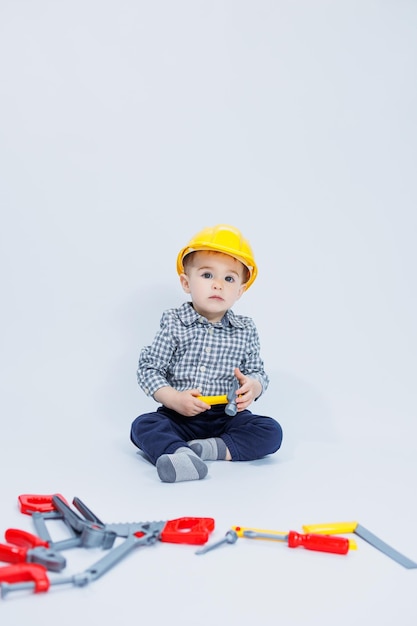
(189, 316)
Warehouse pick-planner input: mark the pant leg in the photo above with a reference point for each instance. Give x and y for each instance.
(247, 436)
(164, 430)
(251, 437)
(156, 434)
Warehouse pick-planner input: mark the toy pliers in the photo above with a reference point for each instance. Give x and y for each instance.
(23, 547)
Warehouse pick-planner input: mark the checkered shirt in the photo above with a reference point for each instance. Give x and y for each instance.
(189, 352)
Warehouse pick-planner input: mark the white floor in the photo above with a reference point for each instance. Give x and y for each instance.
(245, 583)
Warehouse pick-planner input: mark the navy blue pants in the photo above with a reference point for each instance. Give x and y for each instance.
(247, 436)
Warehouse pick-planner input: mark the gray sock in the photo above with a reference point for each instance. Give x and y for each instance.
(183, 464)
(212, 449)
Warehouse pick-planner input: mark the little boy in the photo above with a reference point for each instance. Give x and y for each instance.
(200, 349)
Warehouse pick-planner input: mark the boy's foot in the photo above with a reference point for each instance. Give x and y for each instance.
(212, 449)
(183, 464)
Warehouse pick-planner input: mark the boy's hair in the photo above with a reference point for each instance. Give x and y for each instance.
(188, 260)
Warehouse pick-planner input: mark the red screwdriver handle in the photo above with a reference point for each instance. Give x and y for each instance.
(321, 543)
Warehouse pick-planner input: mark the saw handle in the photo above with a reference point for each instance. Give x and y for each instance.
(31, 503)
(191, 530)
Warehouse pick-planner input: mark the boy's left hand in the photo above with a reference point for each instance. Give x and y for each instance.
(249, 390)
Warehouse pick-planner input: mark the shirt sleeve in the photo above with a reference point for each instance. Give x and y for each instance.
(154, 359)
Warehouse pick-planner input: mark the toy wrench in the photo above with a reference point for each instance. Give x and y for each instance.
(366, 535)
(23, 547)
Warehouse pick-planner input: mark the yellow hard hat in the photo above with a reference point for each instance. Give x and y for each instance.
(221, 238)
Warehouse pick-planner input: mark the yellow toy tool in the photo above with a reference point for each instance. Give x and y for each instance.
(363, 533)
(213, 399)
(229, 400)
(309, 541)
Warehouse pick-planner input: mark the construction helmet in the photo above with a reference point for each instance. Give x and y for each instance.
(221, 238)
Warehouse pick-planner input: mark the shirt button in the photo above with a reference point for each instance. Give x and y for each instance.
(203, 368)
(208, 350)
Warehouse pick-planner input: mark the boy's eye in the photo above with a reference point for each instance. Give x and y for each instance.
(229, 279)
(207, 275)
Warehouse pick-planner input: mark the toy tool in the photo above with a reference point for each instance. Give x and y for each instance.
(23, 547)
(92, 532)
(366, 535)
(317, 542)
(31, 503)
(37, 580)
(230, 537)
(29, 569)
(229, 399)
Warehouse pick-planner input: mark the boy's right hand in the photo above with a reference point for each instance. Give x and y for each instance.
(186, 402)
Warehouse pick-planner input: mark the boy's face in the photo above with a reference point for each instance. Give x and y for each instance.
(215, 282)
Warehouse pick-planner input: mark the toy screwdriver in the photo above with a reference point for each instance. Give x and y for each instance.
(309, 541)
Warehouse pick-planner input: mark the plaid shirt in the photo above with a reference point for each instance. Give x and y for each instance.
(189, 352)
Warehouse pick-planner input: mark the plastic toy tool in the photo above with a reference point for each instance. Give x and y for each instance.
(23, 547)
(32, 556)
(366, 535)
(229, 399)
(230, 537)
(309, 541)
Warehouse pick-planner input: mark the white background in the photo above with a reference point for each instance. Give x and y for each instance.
(126, 127)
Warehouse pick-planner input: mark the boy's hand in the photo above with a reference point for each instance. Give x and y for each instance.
(184, 402)
(249, 390)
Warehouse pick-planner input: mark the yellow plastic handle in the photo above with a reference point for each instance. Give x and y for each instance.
(240, 530)
(335, 528)
(214, 399)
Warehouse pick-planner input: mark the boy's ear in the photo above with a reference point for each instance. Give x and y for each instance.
(185, 283)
